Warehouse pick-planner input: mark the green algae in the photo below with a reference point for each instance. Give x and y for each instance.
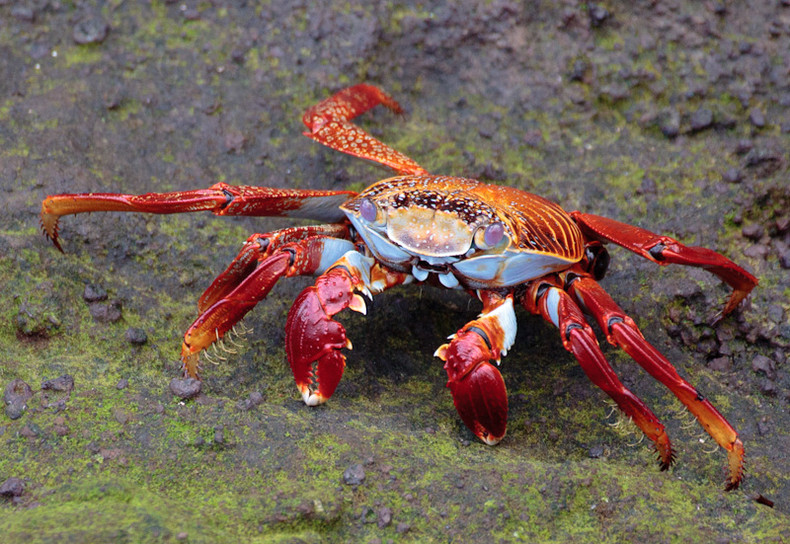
(138, 466)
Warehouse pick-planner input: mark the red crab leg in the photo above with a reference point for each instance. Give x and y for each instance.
(557, 307)
(220, 198)
(665, 250)
(622, 331)
(329, 123)
(259, 247)
(313, 339)
(308, 256)
(478, 389)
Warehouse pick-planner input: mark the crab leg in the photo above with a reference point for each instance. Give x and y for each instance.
(622, 331)
(259, 247)
(240, 289)
(664, 250)
(557, 307)
(220, 199)
(313, 339)
(329, 123)
(478, 389)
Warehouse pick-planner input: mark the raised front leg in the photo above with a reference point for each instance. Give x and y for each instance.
(557, 307)
(313, 339)
(220, 199)
(329, 123)
(621, 331)
(478, 389)
(249, 279)
(664, 250)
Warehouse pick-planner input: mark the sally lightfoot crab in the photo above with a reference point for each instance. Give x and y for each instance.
(503, 245)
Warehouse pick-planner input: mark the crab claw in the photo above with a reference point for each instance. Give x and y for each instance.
(313, 340)
(478, 389)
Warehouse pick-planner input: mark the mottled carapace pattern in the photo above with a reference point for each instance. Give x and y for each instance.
(532, 222)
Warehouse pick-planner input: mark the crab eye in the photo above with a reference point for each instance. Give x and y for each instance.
(368, 210)
(490, 236)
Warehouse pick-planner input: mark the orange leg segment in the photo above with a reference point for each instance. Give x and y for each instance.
(329, 123)
(557, 307)
(220, 199)
(622, 331)
(665, 250)
(243, 285)
(259, 247)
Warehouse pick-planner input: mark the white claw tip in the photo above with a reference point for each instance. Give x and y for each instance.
(312, 399)
(358, 304)
(491, 441)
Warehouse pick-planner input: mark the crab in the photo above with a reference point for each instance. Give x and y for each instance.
(503, 245)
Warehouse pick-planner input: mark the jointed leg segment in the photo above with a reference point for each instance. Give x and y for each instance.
(621, 331)
(220, 199)
(664, 250)
(251, 276)
(557, 307)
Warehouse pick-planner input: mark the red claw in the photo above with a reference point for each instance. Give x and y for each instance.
(313, 340)
(478, 389)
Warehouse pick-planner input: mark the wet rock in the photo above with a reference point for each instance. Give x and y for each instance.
(30, 430)
(766, 366)
(106, 312)
(701, 119)
(579, 70)
(732, 175)
(669, 123)
(757, 117)
(598, 14)
(191, 14)
(23, 13)
(775, 313)
(763, 162)
(784, 259)
(37, 319)
(219, 435)
(63, 384)
(757, 251)
(648, 186)
(384, 517)
(596, 452)
(12, 487)
(768, 388)
(720, 364)
(402, 528)
(234, 142)
(16, 395)
(753, 231)
(91, 29)
(136, 336)
(533, 138)
(185, 388)
(94, 293)
(743, 146)
(354, 475)
(255, 399)
(121, 415)
(122, 384)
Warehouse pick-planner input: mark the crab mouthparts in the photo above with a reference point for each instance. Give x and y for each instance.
(422, 269)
